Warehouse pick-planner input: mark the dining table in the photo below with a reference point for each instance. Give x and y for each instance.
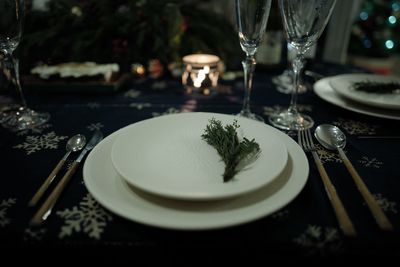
(304, 228)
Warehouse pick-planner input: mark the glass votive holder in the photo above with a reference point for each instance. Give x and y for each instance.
(200, 73)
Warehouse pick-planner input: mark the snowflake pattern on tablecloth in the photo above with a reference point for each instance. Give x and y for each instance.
(327, 156)
(37, 129)
(95, 126)
(320, 240)
(36, 143)
(168, 111)
(132, 93)
(140, 106)
(93, 105)
(34, 234)
(356, 127)
(89, 218)
(5, 204)
(372, 163)
(269, 110)
(386, 204)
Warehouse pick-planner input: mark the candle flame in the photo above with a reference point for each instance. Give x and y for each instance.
(201, 76)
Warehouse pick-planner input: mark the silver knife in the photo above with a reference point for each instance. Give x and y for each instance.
(45, 210)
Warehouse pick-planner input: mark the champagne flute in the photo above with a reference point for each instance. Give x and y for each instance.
(19, 117)
(304, 21)
(251, 17)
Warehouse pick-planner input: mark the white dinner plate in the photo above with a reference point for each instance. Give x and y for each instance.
(323, 89)
(343, 85)
(116, 195)
(167, 156)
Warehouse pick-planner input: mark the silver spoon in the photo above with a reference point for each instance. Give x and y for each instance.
(75, 143)
(331, 137)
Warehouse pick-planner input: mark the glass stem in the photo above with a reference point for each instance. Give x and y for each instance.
(249, 65)
(17, 80)
(297, 64)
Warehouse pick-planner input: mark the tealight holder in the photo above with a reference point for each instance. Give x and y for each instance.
(200, 73)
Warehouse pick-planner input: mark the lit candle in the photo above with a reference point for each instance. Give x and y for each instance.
(200, 73)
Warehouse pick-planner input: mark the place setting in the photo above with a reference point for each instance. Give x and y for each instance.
(200, 170)
(369, 94)
(177, 171)
(160, 172)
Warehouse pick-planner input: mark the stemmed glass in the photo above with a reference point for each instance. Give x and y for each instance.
(251, 17)
(304, 21)
(284, 81)
(18, 117)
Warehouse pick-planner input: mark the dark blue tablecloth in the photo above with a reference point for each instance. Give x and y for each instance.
(304, 229)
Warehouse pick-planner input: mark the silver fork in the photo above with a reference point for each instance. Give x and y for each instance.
(306, 142)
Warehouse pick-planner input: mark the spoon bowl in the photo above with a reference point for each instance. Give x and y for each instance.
(76, 143)
(330, 136)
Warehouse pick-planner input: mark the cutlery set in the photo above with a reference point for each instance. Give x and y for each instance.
(75, 143)
(306, 142)
(332, 138)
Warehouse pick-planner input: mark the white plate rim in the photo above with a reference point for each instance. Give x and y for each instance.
(323, 89)
(362, 97)
(215, 190)
(219, 214)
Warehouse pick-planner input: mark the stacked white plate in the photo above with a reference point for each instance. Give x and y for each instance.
(339, 90)
(160, 172)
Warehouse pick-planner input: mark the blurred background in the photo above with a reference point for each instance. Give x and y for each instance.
(361, 32)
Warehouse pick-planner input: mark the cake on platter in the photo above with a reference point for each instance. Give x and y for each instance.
(75, 76)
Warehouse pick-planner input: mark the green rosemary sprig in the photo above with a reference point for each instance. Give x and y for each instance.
(234, 153)
(377, 87)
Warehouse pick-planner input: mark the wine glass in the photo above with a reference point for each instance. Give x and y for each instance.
(251, 17)
(304, 21)
(18, 117)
